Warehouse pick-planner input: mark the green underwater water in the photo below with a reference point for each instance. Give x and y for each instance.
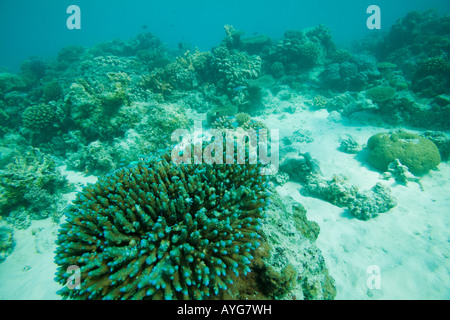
(89, 183)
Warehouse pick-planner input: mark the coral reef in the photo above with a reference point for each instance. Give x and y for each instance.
(19, 219)
(33, 70)
(341, 55)
(104, 112)
(221, 111)
(121, 48)
(186, 73)
(151, 229)
(418, 44)
(93, 158)
(280, 178)
(161, 122)
(433, 66)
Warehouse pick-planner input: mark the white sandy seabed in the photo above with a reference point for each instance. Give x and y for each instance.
(401, 254)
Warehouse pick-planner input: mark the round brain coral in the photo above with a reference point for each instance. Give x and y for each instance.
(435, 65)
(419, 154)
(158, 230)
(52, 91)
(380, 94)
(38, 117)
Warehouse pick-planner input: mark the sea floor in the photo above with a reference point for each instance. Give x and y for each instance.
(407, 247)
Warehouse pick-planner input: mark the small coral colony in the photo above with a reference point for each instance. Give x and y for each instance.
(150, 228)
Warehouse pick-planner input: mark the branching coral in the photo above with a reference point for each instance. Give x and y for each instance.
(242, 118)
(234, 68)
(160, 230)
(157, 81)
(400, 173)
(233, 37)
(320, 101)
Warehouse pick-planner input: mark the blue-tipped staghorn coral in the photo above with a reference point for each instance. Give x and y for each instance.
(157, 230)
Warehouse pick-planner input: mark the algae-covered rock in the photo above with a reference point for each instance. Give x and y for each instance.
(255, 44)
(299, 166)
(295, 262)
(309, 229)
(6, 242)
(416, 152)
(277, 284)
